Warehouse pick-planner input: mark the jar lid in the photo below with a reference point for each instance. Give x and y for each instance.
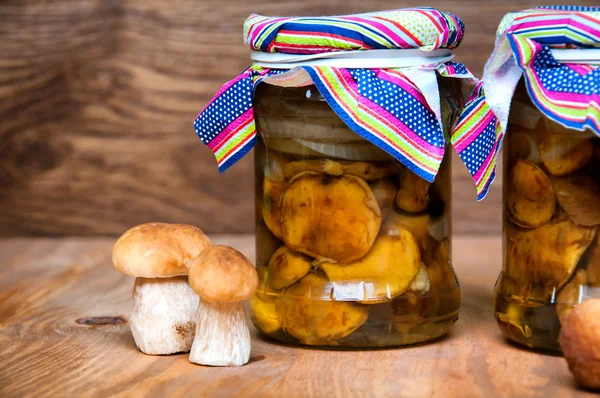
(555, 50)
(425, 28)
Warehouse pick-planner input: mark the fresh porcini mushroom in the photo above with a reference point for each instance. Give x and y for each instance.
(580, 343)
(164, 305)
(223, 278)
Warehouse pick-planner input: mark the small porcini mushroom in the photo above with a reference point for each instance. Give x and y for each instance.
(164, 306)
(580, 343)
(223, 278)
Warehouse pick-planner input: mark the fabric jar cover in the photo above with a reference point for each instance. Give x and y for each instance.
(396, 109)
(527, 44)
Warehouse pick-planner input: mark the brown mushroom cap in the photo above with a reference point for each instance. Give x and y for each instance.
(222, 274)
(580, 343)
(158, 250)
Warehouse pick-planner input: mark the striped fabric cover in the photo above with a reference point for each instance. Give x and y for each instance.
(381, 105)
(568, 94)
(424, 28)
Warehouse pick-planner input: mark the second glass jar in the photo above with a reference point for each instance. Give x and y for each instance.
(551, 210)
(353, 249)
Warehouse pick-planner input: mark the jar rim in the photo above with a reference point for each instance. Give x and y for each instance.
(359, 59)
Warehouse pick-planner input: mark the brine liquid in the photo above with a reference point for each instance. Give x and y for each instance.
(536, 326)
(401, 321)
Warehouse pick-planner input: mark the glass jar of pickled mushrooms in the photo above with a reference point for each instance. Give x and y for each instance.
(551, 210)
(353, 249)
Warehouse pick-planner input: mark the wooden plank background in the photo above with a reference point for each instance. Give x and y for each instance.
(97, 100)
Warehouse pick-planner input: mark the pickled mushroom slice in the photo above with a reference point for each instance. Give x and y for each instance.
(262, 304)
(385, 272)
(523, 145)
(413, 195)
(418, 225)
(325, 166)
(268, 245)
(307, 314)
(384, 192)
(579, 196)
(571, 294)
(421, 283)
(593, 265)
(264, 314)
(286, 267)
(545, 257)
(564, 154)
(439, 269)
(273, 187)
(271, 204)
(333, 218)
(513, 321)
(530, 200)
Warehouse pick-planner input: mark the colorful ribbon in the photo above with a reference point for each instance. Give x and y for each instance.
(567, 94)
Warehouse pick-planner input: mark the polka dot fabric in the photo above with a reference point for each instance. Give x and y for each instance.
(568, 94)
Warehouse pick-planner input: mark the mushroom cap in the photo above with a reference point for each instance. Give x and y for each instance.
(158, 250)
(580, 342)
(222, 274)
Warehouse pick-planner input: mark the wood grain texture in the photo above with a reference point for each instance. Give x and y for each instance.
(47, 285)
(97, 100)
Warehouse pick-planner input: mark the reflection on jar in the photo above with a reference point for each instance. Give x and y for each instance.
(353, 249)
(551, 210)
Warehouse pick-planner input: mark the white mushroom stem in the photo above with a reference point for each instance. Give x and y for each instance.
(222, 336)
(164, 315)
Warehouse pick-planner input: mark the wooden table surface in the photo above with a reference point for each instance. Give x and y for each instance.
(50, 289)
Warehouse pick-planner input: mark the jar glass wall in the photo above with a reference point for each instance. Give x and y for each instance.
(551, 254)
(353, 249)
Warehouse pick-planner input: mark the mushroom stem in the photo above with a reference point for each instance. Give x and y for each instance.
(164, 315)
(222, 336)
